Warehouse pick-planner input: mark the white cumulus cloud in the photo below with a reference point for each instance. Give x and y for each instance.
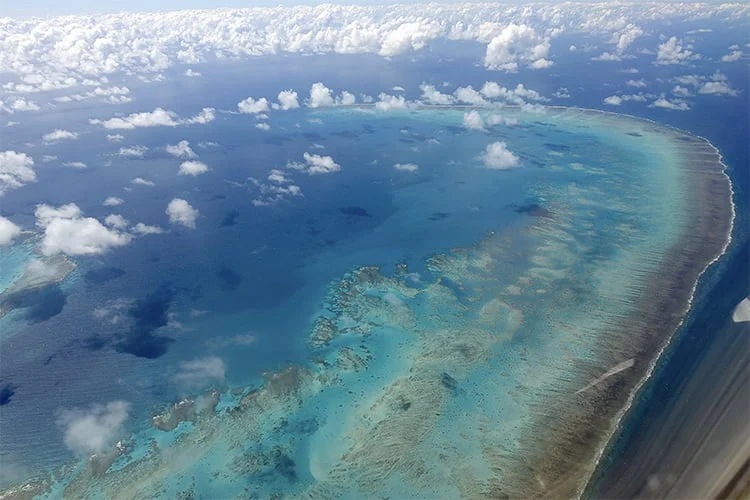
(159, 117)
(497, 156)
(15, 170)
(517, 43)
(253, 106)
(180, 212)
(67, 230)
(193, 168)
(59, 135)
(473, 120)
(93, 430)
(181, 150)
(288, 99)
(673, 51)
(406, 167)
(315, 164)
(8, 231)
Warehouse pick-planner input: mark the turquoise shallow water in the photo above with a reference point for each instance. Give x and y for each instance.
(413, 327)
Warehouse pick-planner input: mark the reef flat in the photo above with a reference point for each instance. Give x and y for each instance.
(499, 370)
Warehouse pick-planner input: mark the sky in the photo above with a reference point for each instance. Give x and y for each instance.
(51, 8)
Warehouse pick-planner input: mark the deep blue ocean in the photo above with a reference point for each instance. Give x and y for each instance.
(247, 283)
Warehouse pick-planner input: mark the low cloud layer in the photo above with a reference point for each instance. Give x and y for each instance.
(182, 213)
(497, 156)
(67, 230)
(15, 170)
(93, 430)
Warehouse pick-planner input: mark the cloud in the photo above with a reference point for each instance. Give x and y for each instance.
(716, 88)
(75, 164)
(473, 120)
(180, 212)
(66, 230)
(15, 170)
(143, 229)
(607, 56)
(140, 181)
(288, 100)
(112, 201)
(517, 43)
(159, 117)
(115, 137)
(55, 53)
(470, 96)
(181, 150)
(8, 231)
(252, 106)
(263, 126)
(675, 104)
(94, 430)
(116, 221)
(316, 164)
(201, 372)
(192, 73)
(133, 151)
(639, 84)
(673, 52)
(735, 55)
(496, 119)
(193, 168)
(613, 100)
(406, 167)
(498, 157)
(322, 97)
(431, 95)
(59, 135)
(388, 102)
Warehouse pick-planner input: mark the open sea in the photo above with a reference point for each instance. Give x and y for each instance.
(261, 275)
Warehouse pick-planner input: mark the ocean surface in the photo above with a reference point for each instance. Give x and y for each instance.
(499, 272)
(250, 284)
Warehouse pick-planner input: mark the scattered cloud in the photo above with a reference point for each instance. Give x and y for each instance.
(287, 100)
(180, 212)
(674, 104)
(181, 150)
(193, 168)
(192, 73)
(406, 167)
(58, 135)
(115, 137)
(613, 100)
(201, 372)
(389, 102)
(735, 55)
(15, 170)
(431, 95)
(716, 88)
(673, 51)
(473, 120)
(67, 230)
(8, 231)
(315, 164)
(517, 43)
(75, 164)
(113, 201)
(252, 106)
(133, 151)
(639, 84)
(157, 118)
(263, 126)
(140, 181)
(143, 229)
(93, 430)
(322, 97)
(116, 221)
(498, 157)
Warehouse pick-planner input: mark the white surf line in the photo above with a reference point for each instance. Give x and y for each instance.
(652, 366)
(619, 367)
